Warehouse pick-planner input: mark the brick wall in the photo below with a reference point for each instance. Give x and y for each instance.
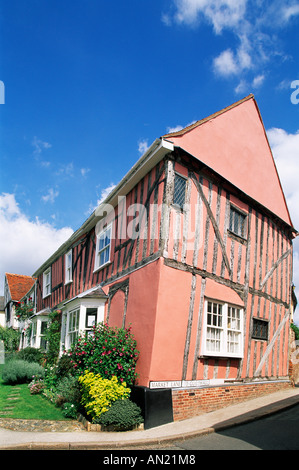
(193, 402)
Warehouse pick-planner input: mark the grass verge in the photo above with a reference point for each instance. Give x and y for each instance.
(16, 401)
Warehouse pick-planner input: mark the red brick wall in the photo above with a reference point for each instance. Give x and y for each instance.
(193, 402)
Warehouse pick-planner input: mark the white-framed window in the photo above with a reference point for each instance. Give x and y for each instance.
(223, 330)
(33, 334)
(79, 319)
(90, 319)
(237, 222)
(47, 283)
(68, 267)
(43, 330)
(73, 326)
(103, 247)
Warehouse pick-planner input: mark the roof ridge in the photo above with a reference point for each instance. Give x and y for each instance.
(208, 118)
(23, 275)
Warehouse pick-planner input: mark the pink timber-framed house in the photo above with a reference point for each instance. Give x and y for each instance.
(193, 248)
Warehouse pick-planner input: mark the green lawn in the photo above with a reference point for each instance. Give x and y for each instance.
(16, 401)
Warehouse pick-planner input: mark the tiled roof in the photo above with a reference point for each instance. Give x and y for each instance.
(19, 285)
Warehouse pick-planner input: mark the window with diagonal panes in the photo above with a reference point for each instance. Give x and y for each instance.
(179, 194)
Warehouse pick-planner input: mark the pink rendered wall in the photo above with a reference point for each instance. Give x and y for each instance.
(117, 309)
(171, 325)
(234, 145)
(141, 314)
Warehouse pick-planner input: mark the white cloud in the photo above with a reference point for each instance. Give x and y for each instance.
(255, 25)
(225, 64)
(241, 87)
(25, 244)
(174, 129)
(143, 146)
(84, 171)
(105, 192)
(39, 146)
(220, 13)
(66, 170)
(290, 11)
(51, 195)
(285, 148)
(103, 195)
(179, 127)
(258, 81)
(166, 19)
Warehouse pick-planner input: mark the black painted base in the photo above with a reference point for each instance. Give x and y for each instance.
(156, 405)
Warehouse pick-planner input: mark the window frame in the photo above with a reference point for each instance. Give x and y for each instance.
(265, 324)
(231, 223)
(43, 329)
(99, 250)
(68, 272)
(224, 335)
(83, 307)
(47, 285)
(177, 204)
(89, 328)
(73, 333)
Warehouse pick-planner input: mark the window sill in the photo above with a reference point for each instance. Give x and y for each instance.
(102, 266)
(46, 296)
(68, 282)
(220, 356)
(236, 237)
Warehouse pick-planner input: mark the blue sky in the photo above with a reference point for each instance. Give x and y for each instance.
(90, 84)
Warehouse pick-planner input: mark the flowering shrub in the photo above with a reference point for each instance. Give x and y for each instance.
(98, 393)
(108, 351)
(69, 410)
(24, 311)
(36, 386)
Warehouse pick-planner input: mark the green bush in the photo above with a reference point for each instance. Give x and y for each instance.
(19, 371)
(122, 414)
(52, 336)
(98, 393)
(31, 355)
(108, 351)
(69, 410)
(68, 390)
(64, 366)
(296, 330)
(10, 337)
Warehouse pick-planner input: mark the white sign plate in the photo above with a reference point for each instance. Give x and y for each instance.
(179, 384)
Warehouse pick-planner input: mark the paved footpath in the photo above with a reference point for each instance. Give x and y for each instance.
(160, 435)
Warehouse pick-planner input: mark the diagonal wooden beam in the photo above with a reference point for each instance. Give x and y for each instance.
(271, 344)
(213, 221)
(274, 266)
